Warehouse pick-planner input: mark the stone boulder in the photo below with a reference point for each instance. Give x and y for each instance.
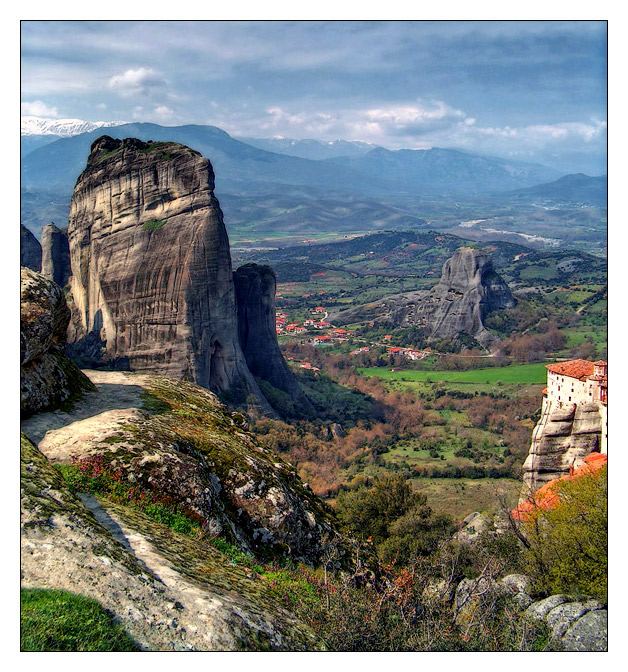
(151, 268)
(30, 250)
(47, 377)
(578, 625)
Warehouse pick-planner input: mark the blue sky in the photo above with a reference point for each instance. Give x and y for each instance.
(520, 89)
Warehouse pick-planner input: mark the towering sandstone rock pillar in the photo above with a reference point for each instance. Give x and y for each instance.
(151, 268)
(55, 254)
(255, 290)
(469, 289)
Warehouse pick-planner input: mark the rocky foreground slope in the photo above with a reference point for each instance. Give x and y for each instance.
(168, 591)
(469, 289)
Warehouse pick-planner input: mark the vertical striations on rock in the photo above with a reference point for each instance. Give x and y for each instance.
(30, 250)
(55, 254)
(468, 290)
(151, 267)
(255, 287)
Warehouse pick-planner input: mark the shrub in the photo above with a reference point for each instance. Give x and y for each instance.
(568, 544)
(153, 224)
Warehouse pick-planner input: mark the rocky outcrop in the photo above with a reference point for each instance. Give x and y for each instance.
(575, 624)
(560, 440)
(151, 269)
(30, 250)
(47, 377)
(169, 592)
(175, 440)
(255, 287)
(469, 289)
(579, 625)
(55, 254)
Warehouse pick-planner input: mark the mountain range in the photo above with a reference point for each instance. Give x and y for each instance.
(347, 187)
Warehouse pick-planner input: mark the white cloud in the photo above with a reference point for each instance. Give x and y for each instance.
(38, 109)
(136, 82)
(164, 112)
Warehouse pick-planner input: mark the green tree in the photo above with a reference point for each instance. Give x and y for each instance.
(569, 543)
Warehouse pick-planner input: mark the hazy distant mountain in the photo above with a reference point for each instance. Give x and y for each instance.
(239, 167)
(265, 189)
(310, 149)
(447, 171)
(577, 188)
(37, 131)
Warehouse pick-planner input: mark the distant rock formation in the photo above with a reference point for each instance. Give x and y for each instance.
(469, 289)
(55, 254)
(151, 269)
(255, 287)
(47, 376)
(30, 250)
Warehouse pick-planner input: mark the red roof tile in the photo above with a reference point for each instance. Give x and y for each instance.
(576, 368)
(546, 496)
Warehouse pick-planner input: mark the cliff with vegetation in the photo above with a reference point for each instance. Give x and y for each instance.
(47, 377)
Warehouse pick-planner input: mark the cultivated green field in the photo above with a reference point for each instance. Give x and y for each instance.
(523, 374)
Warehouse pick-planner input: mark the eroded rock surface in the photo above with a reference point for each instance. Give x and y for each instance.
(47, 377)
(151, 269)
(168, 591)
(176, 440)
(561, 438)
(469, 289)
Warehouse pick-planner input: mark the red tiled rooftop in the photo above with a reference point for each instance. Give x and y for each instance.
(546, 497)
(576, 368)
(601, 363)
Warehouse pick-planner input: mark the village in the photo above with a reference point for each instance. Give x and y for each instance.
(329, 334)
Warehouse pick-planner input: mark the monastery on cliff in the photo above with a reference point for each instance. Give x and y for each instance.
(578, 382)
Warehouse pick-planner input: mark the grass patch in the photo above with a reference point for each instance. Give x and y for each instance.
(56, 620)
(93, 476)
(522, 374)
(153, 224)
(461, 496)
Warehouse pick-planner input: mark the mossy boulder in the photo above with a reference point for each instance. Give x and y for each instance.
(181, 445)
(47, 377)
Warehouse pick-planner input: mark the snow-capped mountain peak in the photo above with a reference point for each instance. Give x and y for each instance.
(62, 127)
